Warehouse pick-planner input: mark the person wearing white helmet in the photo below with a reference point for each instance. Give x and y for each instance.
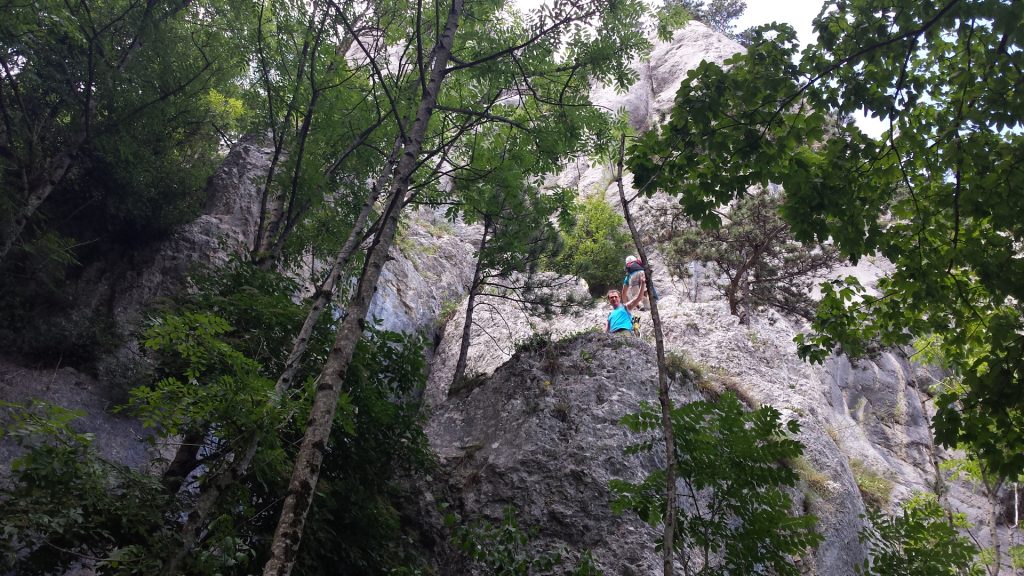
(635, 281)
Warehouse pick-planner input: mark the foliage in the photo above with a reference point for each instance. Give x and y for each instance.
(63, 502)
(535, 342)
(595, 246)
(718, 15)
(934, 194)
(683, 368)
(139, 96)
(515, 215)
(119, 90)
(763, 264)
(735, 514)
(1016, 554)
(355, 526)
(816, 480)
(216, 352)
(874, 488)
(505, 549)
(218, 378)
(923, 540)
(106, 142)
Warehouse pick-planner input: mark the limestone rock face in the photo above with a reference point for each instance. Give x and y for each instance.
(499, 326)
(650, 98)
(125, 291)
(118, 438)
(430, 266)
(861, 421)
(542, 435)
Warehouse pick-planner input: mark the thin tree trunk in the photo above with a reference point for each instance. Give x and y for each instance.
(237, 469)
(274, 207)
(1016, 505)
(668, 549)
(301, 489)
(732, 295)
(460, 364)
(39, 192)
(186, 459)
(279, 226)
(208, 495)
(992, 492)
(327, 289)
(746, 299)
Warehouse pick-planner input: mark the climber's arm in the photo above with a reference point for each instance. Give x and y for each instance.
(639, 293)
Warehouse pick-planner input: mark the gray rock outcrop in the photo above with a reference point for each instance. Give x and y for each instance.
(865, 425)
(430, 266)
(542, 435)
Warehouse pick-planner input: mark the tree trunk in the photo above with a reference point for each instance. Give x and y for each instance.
(38, 192)
(302, 487)
(460, 364)
(668, 549)
(992, 488)
(238, 468)
(746, 300)
(186, 459)
(327, 289)
(208, 495)
(732, 294)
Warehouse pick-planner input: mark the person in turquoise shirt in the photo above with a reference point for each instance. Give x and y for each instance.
(620, 319)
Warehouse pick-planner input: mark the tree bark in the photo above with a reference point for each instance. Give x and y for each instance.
(39, 192)
(668, 549)
(992, 487)
(460, 364)
(39, 189)
(301, 489)
(208, 496)
(186, 459)
(327, 289)
(240, 465)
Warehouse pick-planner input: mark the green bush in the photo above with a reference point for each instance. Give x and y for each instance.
(217, 354)
(737, 510)
(595, 247)
(505, 549)
(923, 540)
(62, 502)
(874, 488)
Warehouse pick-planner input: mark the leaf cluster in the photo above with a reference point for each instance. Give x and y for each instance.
(62, 502)
(719, 15)
(506, 549)
(764, 265)
(923, 540)
(595, 246)
(735, 513)
(934, 194)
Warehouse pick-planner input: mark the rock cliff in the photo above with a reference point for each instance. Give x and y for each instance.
(865, 425)
(539, 430)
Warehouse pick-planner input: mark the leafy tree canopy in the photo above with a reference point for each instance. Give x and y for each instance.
(595, 247)
(937, 194)
(717, 14)
(764, 266)
(735, 515)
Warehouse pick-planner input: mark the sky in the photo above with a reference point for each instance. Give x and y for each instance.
(797, 13)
